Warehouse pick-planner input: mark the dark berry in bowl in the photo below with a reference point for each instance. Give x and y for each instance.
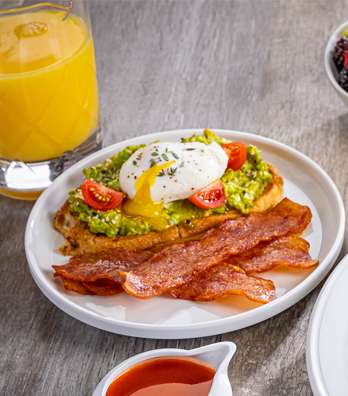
(340, 52)
(343, 79)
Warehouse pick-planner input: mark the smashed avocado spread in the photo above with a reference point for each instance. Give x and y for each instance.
(242, 188)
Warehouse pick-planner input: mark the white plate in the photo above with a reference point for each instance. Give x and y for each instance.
(327, 340)
(163, 316)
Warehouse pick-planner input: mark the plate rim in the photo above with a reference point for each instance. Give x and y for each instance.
(194, 329)
(315, 375)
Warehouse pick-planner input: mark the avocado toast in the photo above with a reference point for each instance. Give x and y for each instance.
(256, 186)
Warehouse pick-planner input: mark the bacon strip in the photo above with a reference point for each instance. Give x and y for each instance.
(223, 279)
(98, 273)
(232, 277)
(101, 287)
(290, 251)
(75, 286)
(298, 216)
(178, 264)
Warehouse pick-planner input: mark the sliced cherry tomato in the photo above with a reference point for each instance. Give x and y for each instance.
(100, 197)
(210, 197)
(237, 154)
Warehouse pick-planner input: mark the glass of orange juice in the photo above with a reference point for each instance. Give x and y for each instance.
(49, 108)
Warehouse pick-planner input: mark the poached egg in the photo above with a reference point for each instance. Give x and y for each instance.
(164, 172)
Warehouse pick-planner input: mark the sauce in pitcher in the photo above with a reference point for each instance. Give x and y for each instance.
(169, 376)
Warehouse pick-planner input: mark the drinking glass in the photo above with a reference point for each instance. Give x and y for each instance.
(49, 108)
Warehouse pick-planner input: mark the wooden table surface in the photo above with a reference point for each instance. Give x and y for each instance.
(252, 66)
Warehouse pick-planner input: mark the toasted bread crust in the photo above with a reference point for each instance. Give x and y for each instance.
(80, 240)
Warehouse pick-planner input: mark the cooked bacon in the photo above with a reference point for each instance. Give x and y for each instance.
(290, 251)
(73, 285)
(298, 216)
(103, 265)
(178, 264)
(224, 279)
(101, 287)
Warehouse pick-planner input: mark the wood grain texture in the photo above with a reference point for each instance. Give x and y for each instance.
(253, 66)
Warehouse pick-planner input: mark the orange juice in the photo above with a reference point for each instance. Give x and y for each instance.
(48, 86)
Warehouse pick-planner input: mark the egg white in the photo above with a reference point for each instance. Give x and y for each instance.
(196, 166)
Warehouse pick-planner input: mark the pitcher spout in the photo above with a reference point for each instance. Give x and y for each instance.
(218, 355)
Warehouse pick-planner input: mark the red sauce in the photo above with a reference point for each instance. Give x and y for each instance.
(169, 376)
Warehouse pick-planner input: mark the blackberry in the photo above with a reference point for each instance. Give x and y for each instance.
(339, 52)
(343, 79)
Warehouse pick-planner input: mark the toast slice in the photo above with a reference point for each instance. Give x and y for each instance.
(80, 240)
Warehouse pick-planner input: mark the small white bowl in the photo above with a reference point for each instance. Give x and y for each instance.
(217, 355)
(330, 67)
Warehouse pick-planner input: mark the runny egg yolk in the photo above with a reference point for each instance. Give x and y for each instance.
(142, 204)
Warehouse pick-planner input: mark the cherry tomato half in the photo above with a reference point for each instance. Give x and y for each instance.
(210, 197)
(100, 197)
(237, 154)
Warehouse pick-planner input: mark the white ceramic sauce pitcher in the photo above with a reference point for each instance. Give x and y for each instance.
(217, 355)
